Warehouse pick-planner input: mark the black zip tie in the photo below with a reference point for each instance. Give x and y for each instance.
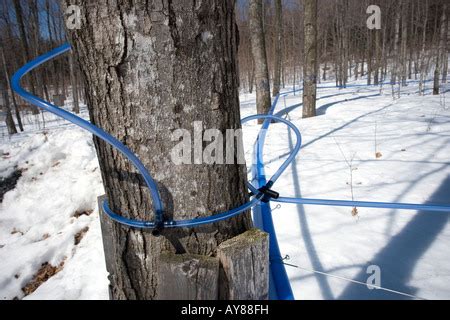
(265, 193)
(159, 226)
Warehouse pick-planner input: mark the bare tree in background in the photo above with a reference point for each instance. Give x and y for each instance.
(445, 51)
(440, 54)
(8, 87)
(9, 118)
(74, 84)
(310, 52)
(423, 57)
(262, 82)
(278, 47)
(26, 54)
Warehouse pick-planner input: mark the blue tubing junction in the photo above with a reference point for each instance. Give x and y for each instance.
(260, 188)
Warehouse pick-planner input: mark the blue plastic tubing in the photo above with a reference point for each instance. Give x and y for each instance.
(365, 204)
(225, 215)
(262, 210)
(157, 203)
(279, 288)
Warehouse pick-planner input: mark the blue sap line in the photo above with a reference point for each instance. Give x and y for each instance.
(280, 288)
(365, 204)
(15, 81)
(157, 203)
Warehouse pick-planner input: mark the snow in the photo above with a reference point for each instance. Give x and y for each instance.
(410, 248)
(61, 177)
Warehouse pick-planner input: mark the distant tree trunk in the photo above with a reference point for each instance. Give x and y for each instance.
(395, 73)
(404, 43)
(251, 75)
(262, 84)
(345, 41)
(377, 39)
(62, 73)
(412, 36)
(362, 65)
(369, 57)
(384, 62)
(35, 44)
(26, 50)
(55, 79)
(57, 63)
(9, 118)
(278, 46)
(423, 64)
(74, 84)
(149, 70)
(13, 98)
(445, 53)
(440, 50)
(293, 56)
(310, 53)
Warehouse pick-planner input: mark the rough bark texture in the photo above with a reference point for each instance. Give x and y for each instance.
(188, 277)
(377, 74)
(150, 68)
(423, 58)
(262, 84)
(9, 118)
(395, 71)
(310, 53)
(404, 43)
(278, 46)
(445, 52)
(8, 87)
(244, 267)
(35, 41)
(26, 49)
(440, 54)
(74, 85)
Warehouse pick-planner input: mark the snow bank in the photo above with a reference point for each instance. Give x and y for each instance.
(55, 199)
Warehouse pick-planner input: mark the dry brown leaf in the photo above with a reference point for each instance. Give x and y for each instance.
(80, 213)
(80, 235)
(44, 273)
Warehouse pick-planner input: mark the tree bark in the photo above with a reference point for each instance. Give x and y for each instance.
(35, 44)
(377, 39)
(395, 69)
(278, 47)
(440, 50)
(26, 49)
(151, 68)
(262, 84)
(369, 57)
(13, 98)
(404, 47)
(445, 53)
(9, 118)
(310, 53)
(74, 84)
(423, 64)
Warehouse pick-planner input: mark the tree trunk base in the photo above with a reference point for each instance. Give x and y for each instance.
(239, 271)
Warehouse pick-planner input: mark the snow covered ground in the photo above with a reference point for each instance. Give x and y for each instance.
(53, 203)
(383, 149)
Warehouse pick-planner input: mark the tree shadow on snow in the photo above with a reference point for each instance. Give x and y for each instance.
(306, 234)
(400, 256)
